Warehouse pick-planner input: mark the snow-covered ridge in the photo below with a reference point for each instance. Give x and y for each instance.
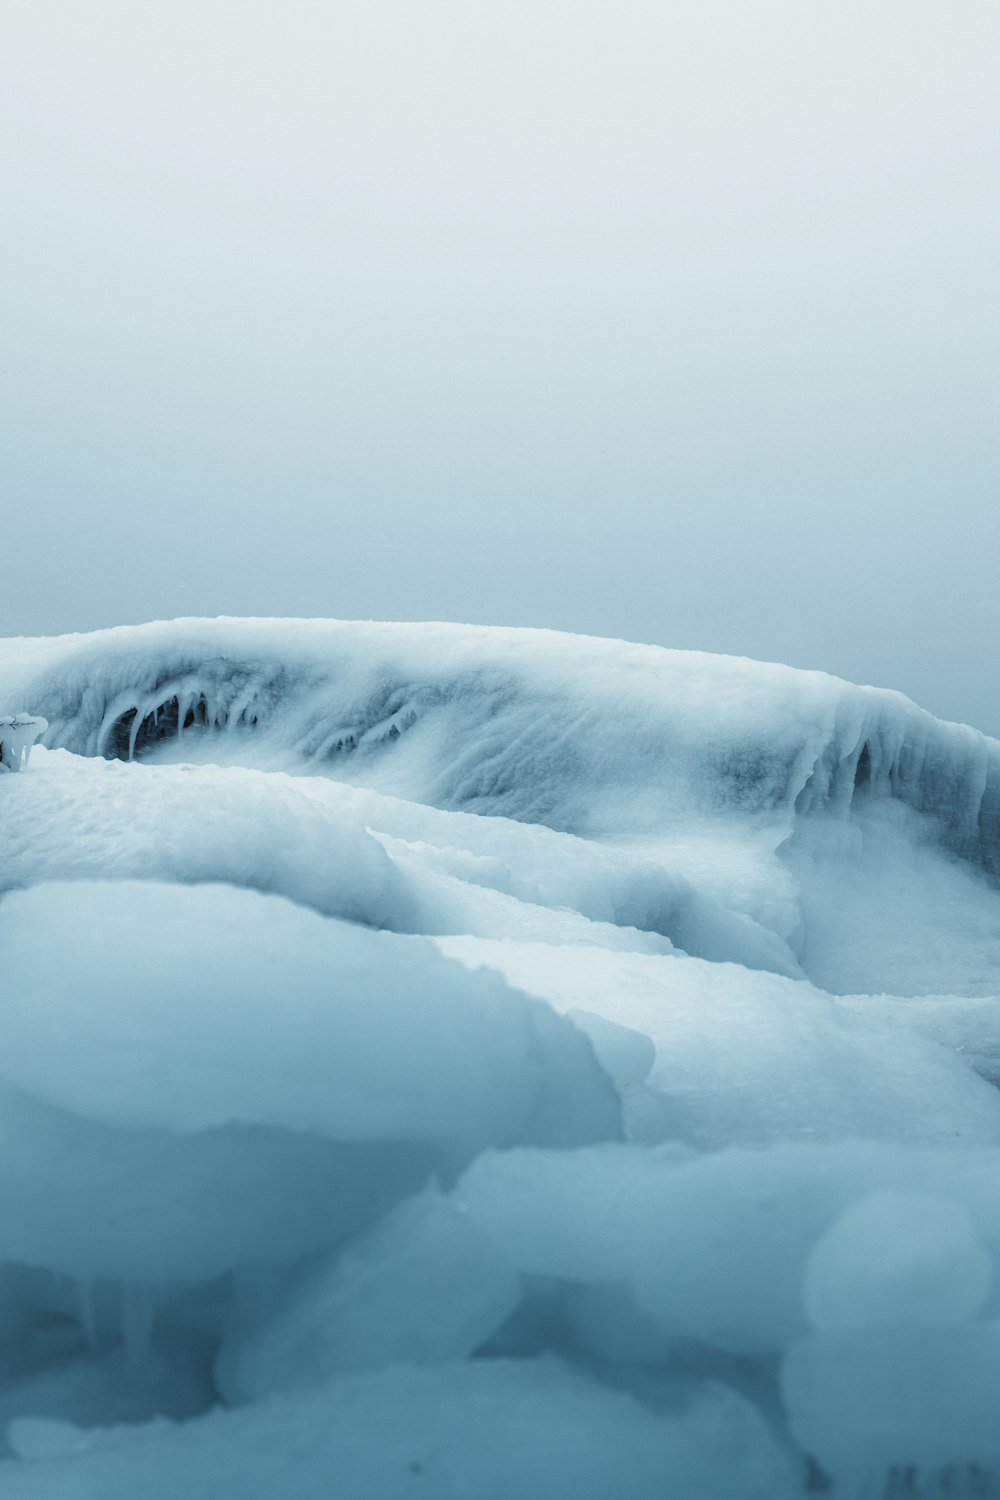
(583, 734)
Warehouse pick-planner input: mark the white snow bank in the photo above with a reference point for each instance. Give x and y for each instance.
(580, 733)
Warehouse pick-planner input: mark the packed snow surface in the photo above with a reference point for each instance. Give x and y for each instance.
(488, 1064)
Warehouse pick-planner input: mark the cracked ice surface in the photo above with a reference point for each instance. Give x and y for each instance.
(475, 1062)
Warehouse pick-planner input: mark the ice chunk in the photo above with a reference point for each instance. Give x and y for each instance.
(159, 1210)
(465, 892)
(743, 1056)
(187, 1008)
(199, 1079)
(714, 1247)
(18, 732)
(425, 1287)
(897, 1259)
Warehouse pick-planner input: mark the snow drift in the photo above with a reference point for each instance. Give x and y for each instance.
(456, 1061)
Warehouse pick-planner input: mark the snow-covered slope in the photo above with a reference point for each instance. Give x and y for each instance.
(461, 1062)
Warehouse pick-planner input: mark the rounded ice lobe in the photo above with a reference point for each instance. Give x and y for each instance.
(188, 1008)
(897, 1259)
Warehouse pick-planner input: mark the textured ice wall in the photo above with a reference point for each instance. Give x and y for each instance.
(584, 734)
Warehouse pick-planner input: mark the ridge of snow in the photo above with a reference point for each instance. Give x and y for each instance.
(584, 734)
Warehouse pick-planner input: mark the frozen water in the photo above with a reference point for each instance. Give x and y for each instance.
(741, 1055)
(895, 1259)
(199, 1008)
(715, 1246)
(491, 1063)
(425, 1287)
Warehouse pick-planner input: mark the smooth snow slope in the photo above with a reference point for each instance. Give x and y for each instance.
(469, 1062)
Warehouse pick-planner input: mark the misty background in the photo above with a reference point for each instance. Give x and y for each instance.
(671, 321)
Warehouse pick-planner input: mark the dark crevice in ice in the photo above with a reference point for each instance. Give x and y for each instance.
(230, 704)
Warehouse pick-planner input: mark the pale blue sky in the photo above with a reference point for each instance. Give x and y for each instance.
(675, 321)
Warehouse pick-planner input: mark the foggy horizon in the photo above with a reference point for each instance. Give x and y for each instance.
(670, 323)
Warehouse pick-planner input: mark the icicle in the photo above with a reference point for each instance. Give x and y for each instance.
(133, 733)
(239, 706)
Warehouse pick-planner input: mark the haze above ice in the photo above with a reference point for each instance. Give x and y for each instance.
(673, 322)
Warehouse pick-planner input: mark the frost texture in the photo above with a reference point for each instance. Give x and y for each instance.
(464, 1062)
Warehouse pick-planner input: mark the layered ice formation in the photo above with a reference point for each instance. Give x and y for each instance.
(459, 1062)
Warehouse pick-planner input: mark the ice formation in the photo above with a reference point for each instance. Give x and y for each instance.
(468, 1062)
(18, 732)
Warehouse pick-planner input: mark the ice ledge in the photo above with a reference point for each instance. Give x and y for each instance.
(589, 736)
